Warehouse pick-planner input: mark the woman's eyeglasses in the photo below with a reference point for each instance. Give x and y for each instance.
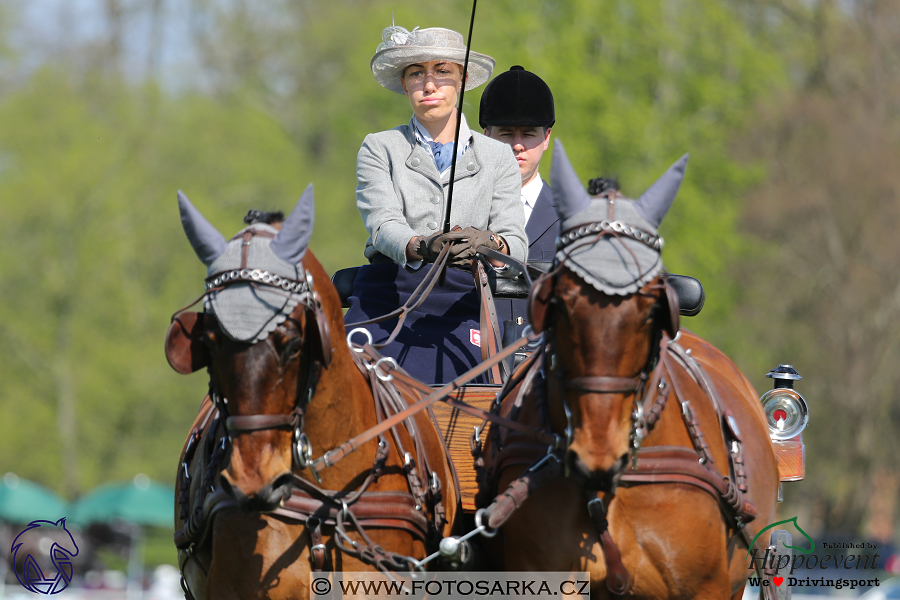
(439, 75)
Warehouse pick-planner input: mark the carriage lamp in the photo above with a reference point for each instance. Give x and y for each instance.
(786, 411)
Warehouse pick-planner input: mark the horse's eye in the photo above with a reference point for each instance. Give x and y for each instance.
(291, 349)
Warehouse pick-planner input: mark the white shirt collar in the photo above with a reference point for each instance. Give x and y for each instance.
(530, 193)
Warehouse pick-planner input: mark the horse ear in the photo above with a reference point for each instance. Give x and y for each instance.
(538, 301)
(569, 196)
(291, 242)
(671, 316)
(206, 240)
(655, 202)
(185, 350)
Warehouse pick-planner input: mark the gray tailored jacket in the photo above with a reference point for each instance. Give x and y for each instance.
(400, 193)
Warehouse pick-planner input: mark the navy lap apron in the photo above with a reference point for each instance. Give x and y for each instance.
(437, 342)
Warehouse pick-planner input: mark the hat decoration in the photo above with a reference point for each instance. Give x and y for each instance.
(399, 36)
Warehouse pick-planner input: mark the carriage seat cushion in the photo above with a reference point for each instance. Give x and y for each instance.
(690, 291)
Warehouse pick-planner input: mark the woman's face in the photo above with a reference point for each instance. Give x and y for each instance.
(432, 88)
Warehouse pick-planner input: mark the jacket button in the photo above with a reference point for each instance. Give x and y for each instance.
(431, 225)
(435, 200)
(414, 162)
(470, 166)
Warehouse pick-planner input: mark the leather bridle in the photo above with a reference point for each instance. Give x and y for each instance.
(543, 295)
(310, 300)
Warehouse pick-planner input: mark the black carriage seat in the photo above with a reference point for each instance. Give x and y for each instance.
(690, 291)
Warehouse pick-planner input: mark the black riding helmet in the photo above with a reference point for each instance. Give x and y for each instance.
(517, 98)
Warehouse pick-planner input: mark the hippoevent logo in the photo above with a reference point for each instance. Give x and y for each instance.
(807, 559)
(49, 575)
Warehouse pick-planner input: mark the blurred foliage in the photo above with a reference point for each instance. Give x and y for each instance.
(95, 263)
(786, 213)
(824, 290)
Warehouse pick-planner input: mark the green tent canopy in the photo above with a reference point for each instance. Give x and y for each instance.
(23, 501)
(141, 501)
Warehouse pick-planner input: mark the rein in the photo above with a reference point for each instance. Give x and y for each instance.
(331, 457)
(416, 298)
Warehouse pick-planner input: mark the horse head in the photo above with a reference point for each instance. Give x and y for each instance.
(264, 337)
(605, 305)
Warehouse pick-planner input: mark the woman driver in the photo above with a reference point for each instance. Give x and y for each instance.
(403, 177)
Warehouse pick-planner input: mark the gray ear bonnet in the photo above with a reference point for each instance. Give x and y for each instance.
(616, 265)
(248, 312)
(255, 280)
(611, 244)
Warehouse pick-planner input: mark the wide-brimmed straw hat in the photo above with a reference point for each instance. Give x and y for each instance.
(401, 48)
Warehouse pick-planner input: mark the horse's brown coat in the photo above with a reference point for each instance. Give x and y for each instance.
(674, 539)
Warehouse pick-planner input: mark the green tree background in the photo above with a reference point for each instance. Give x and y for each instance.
(787, 214)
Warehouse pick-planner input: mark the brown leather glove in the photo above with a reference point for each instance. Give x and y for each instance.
(430, 247)
(463, 252)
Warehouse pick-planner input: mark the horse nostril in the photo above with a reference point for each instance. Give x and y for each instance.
(283, 484)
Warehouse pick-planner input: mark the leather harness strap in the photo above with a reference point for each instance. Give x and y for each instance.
(604, 384)
(392, 510)
(247, 423)
(618, 579)
(489, 328)
(317, 548)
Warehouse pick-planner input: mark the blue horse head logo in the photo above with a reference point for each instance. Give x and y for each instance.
(30, 574)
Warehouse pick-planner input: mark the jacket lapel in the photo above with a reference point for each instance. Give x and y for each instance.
(419, 160)
(543, 215)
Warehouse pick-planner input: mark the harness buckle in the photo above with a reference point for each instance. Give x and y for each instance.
(302, 449)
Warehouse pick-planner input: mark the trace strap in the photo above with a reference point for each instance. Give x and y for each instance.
(331, 457)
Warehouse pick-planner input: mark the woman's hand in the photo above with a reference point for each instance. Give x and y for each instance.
(462, 253)
(428, 248)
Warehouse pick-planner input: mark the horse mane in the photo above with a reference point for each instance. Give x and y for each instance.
(267, 217)
(598, 185)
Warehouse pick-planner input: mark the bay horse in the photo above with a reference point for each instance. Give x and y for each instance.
(254, 517)
(666, 449)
